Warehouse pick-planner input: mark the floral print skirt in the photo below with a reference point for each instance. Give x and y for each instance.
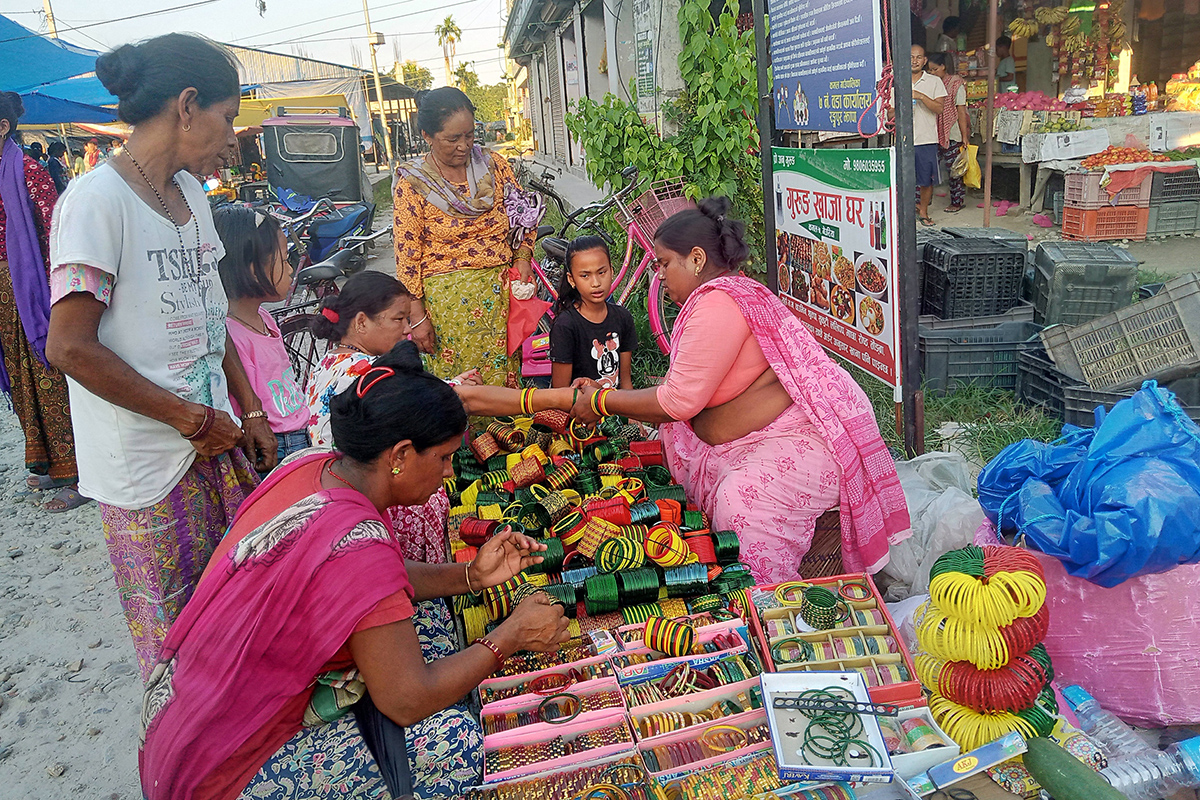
(445, 750)
(469, 309)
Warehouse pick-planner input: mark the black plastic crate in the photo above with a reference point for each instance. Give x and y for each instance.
(970, 278)
(1080, 402)
(1040, 384)
(1175, 218)
(980, 356)
(1003, 235)
(1076, 282)
(1173, 187)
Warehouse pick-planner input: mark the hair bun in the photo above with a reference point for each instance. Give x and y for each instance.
(404, 357)
(120, 71)
(715, 208)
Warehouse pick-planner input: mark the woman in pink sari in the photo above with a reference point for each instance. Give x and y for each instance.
(760, 426)
(307, 604)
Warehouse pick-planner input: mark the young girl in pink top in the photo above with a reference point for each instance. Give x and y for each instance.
(255, 270)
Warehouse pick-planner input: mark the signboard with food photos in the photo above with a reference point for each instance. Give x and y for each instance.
(834, 225)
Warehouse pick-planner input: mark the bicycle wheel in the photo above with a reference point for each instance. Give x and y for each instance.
(304, 349)
(663, 311)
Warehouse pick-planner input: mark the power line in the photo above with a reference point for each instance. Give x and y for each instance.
(349, 27)
(117, 19)
(261, 34)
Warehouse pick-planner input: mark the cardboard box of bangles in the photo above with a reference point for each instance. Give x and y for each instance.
(862, 638)
(824, 744)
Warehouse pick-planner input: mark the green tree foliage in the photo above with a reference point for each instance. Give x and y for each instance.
(487, 99)
(414, 76)
(715, 146)
(448, 36)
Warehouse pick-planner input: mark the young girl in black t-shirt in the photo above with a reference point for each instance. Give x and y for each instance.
(591, 337)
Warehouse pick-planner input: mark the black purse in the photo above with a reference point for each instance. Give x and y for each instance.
(385, 740)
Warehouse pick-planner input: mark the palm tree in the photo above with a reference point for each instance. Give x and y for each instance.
(448, 34)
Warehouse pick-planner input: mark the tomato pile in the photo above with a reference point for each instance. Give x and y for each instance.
(1121, 155)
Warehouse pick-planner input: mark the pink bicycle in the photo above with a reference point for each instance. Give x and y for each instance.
(640, 219)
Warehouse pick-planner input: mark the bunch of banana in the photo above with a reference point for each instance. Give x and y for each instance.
(1052, 15)
(1071, 25)
(1075, 43)
(1022, 28)
(1116, 31)
(1051, 39)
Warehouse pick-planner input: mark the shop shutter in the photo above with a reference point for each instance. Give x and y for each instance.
(558, 128)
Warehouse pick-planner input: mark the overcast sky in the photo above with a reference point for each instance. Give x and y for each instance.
(330, 31)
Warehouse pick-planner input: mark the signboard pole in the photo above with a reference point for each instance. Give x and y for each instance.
(906, 231)
(766, 138)
(990, 117)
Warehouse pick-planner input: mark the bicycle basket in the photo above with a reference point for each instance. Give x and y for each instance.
(654, 205)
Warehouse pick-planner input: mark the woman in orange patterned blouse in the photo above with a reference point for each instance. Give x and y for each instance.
(461, 222)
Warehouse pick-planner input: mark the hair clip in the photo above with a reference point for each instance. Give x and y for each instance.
(379, 374)
(331, 315)
(259, 218)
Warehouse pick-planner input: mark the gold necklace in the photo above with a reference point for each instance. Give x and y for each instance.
(336, 477)
(264, 332)
(438, 167)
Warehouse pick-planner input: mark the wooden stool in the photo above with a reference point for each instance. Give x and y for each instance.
(824, 556)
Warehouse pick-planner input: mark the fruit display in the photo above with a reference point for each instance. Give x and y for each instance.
(1063, 125)
(1122, 155)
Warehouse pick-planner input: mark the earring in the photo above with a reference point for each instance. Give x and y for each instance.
(395, 470)
(698, 269)
(187, 128)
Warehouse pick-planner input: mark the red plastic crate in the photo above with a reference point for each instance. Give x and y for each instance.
(1105, 224)
(1083, 190)
(905, 694)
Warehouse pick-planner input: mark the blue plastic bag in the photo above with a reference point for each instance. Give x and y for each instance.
(1113, 502)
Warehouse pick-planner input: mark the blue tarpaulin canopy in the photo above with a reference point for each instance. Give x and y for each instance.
(85, 89)
(30, 60)
(43, 109)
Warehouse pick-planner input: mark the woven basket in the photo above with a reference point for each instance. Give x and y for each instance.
(824, 557)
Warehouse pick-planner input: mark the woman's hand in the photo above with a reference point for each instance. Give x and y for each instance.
(582, 411)
(537, 623)
(223, 436)
(525, 267)
(469, 378)
(424, 337)
(503, 556)
(260, 444)
(585, 383)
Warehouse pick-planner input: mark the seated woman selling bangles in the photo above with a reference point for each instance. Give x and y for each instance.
(763, 429)
(307, 604)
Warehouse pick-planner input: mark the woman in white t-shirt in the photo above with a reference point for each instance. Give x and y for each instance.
(138, 326)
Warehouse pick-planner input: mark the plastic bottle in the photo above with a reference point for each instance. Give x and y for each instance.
(1116, 738)
(1153, 775)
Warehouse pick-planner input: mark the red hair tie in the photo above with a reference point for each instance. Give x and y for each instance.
(330, 314)
(379, 374)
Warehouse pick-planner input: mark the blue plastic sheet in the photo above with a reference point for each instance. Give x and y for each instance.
(1112, 502)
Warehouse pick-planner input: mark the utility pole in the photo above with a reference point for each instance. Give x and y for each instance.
(62, 129)
(375, 40)
(50, 18)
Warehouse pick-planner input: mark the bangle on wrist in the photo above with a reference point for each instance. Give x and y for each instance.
(492, 647)
(210, 417)
(260, 414)
(467, 575)
(527, 402)
(418, 323)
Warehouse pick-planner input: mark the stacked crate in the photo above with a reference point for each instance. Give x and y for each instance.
(1090, 214)
(1174, 203)
(1074, 283)
(965, 279)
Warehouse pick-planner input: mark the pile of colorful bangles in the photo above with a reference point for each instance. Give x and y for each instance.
(657, 693)
(981, 654)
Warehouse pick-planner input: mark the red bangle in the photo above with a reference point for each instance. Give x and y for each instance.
(495, 650)
(210, 417)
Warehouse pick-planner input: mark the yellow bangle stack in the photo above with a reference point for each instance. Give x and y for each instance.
(527, 401)
(599, 402)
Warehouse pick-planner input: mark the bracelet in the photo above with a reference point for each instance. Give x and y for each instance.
(602, 401)
(210, 417)
(467, 575)
(260, 414)
(527, 401)
(495, 651)
(417, 324)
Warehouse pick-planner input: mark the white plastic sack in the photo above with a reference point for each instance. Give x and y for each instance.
(944, 516)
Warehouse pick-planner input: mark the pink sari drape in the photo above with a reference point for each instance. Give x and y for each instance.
(831, 427)
(259, 628)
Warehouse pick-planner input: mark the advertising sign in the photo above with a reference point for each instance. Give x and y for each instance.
(835, 238)
(825, 62)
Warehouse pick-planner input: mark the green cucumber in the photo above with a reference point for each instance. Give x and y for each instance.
(1064, 776)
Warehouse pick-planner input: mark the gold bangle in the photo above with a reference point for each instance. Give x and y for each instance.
(467, 575)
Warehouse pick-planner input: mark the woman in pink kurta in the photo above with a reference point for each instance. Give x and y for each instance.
(761, 427)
